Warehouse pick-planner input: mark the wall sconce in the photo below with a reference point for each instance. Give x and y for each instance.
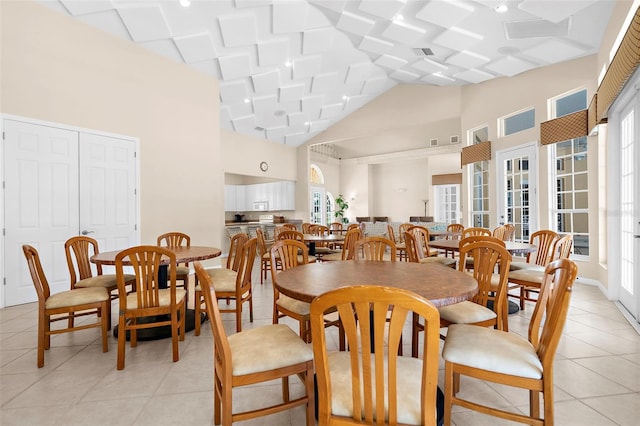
(401, 190)
(352, 197)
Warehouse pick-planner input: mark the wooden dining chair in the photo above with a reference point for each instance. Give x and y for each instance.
(252, 356)
(400, 244)
(263, 254)
(528, 280)
(509, 359)
(473, 232)
(422, 237)
(348, 246)
(236, 287)
(290, 234)
(173, 240)
(64, 306)
(321, 248)
(416, 253)
(78, 251)
(159, 306)
(544, 240)
(454, 232)
(370, 384)
(290, 226)
(289, 254)
(375, 248)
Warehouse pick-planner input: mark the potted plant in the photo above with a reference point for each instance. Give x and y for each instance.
(341, 207)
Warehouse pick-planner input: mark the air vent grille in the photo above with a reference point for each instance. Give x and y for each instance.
(423, 51)
(433, 142)
(454, 139)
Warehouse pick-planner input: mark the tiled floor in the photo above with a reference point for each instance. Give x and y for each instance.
(597, 374)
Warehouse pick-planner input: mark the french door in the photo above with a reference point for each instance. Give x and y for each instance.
(318, 206)
(624, 174)
(517, 177)
(61, 182)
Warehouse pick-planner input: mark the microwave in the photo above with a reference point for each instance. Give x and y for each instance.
(260, 205)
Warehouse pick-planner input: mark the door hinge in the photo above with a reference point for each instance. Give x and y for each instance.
(135, 227)
(4, 281)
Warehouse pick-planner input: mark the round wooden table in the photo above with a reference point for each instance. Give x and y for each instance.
(439, 284)
(312, 239)
(183, 255)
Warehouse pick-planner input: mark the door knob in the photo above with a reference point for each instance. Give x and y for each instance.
(85, 232)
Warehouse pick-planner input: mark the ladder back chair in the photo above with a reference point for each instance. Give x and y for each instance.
(253, 356)
(173, 240)
(151, 300)
(370, 384)
(64, 305)
(510, 359)
(235, 287)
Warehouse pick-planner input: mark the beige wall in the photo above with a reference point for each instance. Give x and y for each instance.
(55, 68)
(243, 154)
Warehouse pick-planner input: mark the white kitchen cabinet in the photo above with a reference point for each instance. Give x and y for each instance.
(230, 199)
(241, 199)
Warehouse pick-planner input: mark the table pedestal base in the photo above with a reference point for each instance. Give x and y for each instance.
(162, 332)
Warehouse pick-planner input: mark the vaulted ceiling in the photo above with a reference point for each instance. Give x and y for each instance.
(289, 69)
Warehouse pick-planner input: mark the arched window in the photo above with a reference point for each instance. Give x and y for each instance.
(315, 175)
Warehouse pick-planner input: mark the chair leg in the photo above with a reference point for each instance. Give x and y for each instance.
(285, 389)
(311, 420)
(122, 335)
(448, 393)
(41, 337)
(174, 335)
(183, 321)
(197, 307)
(522, 298)
(106, 324)
(216, 401)
(251, 307)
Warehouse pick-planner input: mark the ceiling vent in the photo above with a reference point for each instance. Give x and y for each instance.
(454, 139)
(433, 142)
(536, 28)
(423, 51)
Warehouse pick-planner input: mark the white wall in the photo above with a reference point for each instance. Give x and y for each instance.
(55, 68)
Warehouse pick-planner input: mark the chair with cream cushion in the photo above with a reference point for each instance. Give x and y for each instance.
(399, 242)
(78, 251)
(490, 269)
(454, 231)
(392, 389)
(63, 305)
(322, 248)
(254, 356)
(416, 253)
(348, 246)
(263, 254)
(232, 287)
(159, 306)
(473, 232)
(529, 279)
(173, 240)
(544, 240)
(510, 359)
(289, 254)
(422, 237)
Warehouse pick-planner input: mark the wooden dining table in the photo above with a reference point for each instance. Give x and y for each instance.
(439, 284)
(183, 255)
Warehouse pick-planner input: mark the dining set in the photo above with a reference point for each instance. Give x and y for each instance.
(150, 303)
(454, 290)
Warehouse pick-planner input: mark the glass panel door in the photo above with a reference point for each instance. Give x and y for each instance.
(517, 192)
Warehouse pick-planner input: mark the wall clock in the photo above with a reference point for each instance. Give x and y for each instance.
(264, 166)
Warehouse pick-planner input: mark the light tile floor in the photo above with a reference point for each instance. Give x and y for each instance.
(597, 373)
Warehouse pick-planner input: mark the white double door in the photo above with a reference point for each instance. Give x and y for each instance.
(60, 183)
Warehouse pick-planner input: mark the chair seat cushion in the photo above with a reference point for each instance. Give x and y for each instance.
(409, 384)
(266, 348)
(164, 296)
(528, 275)
(221, 273)
(182, 272)
(446, 261)
(293, 305)
(517, 266)
(79, 296)
(106, 281)
(491, 350)
(466, 313)
(332, 257)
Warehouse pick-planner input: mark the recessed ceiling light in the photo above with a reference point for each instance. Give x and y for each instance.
(246, 100)
(398, 17)
(288, 64)
(345, 98)
(185, 3)
(502, 8)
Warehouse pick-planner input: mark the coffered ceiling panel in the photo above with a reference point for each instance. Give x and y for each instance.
(289, 69)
